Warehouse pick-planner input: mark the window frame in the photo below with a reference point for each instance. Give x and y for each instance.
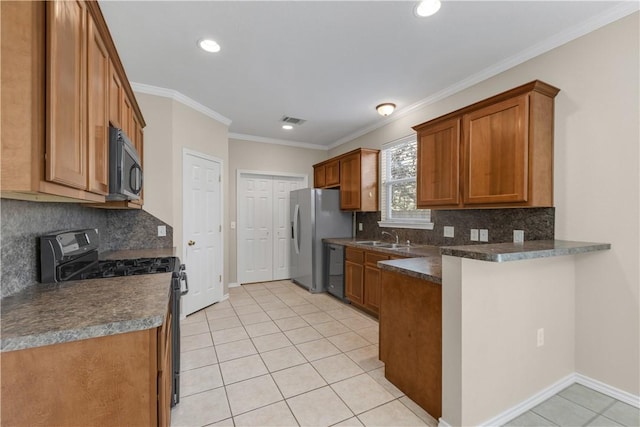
(385, 185)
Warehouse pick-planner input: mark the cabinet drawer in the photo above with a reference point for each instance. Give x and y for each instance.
(374, 257)
(354, 255)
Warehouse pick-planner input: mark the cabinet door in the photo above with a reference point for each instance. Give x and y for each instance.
(138, 142)
(127, 116)
(372, 288)
(439, 165)
(165, 372)
(350, 182)
(332, 173)
(115, 97)
(496, 153)
(66, 157)
(353, 276)
(319, 176)
(98, 111)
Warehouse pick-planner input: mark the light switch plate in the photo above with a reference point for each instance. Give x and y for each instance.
(233, 225)
(474, 235)
(484, 235)
(162, 230)
(448, 231)
(518, 236)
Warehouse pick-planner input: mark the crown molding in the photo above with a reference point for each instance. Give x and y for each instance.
(179, 97)
(615, 13)
(265, 140)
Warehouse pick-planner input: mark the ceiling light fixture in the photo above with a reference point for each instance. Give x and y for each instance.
(385, 109)
(287, 127)
(427, 8)
(209, 45)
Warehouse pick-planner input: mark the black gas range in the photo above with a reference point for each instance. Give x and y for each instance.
(73, 255)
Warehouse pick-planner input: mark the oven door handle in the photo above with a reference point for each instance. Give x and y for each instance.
(185, 279)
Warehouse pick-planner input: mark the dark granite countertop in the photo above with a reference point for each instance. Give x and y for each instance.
(503, 252)
(425, 261)
(412, 251)
(55, 313)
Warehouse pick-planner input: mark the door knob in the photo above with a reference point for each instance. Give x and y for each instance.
(191, 242)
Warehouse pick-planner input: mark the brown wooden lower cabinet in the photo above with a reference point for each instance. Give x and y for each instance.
(122, 379)
(411, 338)
(354, 275)
(363, 279)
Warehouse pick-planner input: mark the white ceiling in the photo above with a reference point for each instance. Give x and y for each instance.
(332, 62)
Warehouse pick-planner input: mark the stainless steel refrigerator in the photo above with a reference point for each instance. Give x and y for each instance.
(315, 215)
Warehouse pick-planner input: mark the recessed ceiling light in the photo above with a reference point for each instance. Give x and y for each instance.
(427, 8)
(209, 45)
(287, 127)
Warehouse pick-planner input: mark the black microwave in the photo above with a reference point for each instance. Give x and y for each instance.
(125, 170)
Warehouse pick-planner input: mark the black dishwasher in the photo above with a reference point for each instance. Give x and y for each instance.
(334, 270)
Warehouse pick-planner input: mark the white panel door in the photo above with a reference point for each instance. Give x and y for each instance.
(255, 233)
(282, 186)
(202, 231)
(263, 239)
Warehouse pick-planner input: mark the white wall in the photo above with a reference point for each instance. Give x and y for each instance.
(256, 156)
(596, 183)
(158, 164)
(172, 126)
(490, 316)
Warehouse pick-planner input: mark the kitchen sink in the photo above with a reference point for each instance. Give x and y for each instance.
(374, 243)
(380, 244)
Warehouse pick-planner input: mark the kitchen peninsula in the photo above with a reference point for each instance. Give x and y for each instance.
(478, 332)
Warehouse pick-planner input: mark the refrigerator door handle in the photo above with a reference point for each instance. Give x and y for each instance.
(296, 217)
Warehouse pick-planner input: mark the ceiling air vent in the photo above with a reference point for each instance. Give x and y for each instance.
(292, 120)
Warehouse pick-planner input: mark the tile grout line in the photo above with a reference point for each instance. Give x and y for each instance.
(295, 345)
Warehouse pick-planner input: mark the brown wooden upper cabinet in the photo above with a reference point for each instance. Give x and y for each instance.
(355, 174)
(327, 174)
(60, 77)
(359, 180)
(495, 153)
(66, 147)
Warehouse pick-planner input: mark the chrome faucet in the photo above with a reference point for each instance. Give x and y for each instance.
(392, 235)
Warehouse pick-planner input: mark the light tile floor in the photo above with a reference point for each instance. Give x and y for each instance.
(578, 405)
(274, 354)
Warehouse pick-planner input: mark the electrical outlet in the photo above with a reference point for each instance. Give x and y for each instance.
(474, 235)
(484, 235)
(518, 236)
(540, 337)
(162, 230)
(359, 226)
(448, 231)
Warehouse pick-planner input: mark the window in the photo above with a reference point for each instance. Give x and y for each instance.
(398, 186)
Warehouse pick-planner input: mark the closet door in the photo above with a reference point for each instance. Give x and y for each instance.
(282, 186)
(255, 228)
(264, 234)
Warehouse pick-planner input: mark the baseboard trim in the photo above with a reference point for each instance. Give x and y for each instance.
(443, 423)
(603, 388)
(531, 402)
(234, 285)
(555, 388)
(224, 297)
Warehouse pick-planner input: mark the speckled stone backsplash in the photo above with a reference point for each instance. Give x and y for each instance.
(537, 223)
(23, 222)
